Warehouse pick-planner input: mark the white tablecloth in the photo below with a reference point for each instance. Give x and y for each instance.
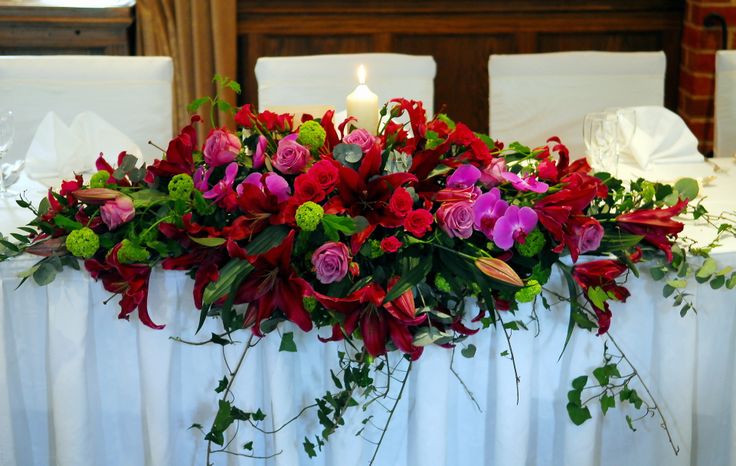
(80, 387)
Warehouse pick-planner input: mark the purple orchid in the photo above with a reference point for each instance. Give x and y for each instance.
(270, 183)
(492, 174)
(464, 177)
(528, 183)
(488, 208)
(515, 224)
(225, 185)
(201, 179)
(259, 157)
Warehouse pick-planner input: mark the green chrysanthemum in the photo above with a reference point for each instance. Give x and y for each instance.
(529, 292)
(442, 284)
(533, 244)
(131, 253)
(312, 135)
(83, 243)
(99, 179)
(308, 216)
(181, 186)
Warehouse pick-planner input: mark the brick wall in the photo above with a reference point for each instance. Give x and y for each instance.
(697, 84)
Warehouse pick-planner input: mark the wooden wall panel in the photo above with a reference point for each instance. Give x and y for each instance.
(460, 35)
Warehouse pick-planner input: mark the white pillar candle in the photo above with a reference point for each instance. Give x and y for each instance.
(363, 104)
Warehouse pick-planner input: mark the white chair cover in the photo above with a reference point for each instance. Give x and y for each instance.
(134, 94)
(725, 104)
(326, 80)
(535, 96)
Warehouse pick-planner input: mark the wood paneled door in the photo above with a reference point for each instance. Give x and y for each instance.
(461, 35)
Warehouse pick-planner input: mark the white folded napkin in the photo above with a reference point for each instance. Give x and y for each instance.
(661, 137)
(58, 151)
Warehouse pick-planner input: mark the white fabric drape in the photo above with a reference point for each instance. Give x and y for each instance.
(83, 388)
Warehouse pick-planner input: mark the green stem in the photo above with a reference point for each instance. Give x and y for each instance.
(391, 414)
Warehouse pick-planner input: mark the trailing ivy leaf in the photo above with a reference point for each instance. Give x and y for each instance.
(468, 351)
(579, 382)
(223, 420)
(287, 343)
(218, 340)
(607, 402)
(248, 446)
(238, 414)
(630, 423)
(578, 414)
(309, 448)
(258, 415)
(222, 385)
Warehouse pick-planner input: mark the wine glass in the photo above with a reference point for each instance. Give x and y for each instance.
(599, 135)
(7, 133)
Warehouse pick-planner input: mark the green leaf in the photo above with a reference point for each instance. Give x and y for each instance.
(238, 414)
(287, 343)
(578, 414)
(598, 296)
(658, 273)
(667, 291)
(677, 283)
(248, 446)
(45, 274)
(309, 448)
(196, 104)
(9, 245)
(208, 241)
(426, 336)
(67, 223)
(223, 419)
(687, 187)
(259, 415)
(218, 340)
(20, 238)
(731, 283)
(234, 86)
(332, 224)
(147, 197)
(410, 278)
(718, 282)
(222, 385)
(468, 351)
(607, 402)
(579, 382)
(707, 269)
(630, 423)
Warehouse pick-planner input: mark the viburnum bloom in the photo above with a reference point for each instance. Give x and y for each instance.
(291, 157)
(377, 320)
(117, 211)
(330, 262)
(655, 225)
(601, 274)
(513, 226)
(221, 147)
(274, 284)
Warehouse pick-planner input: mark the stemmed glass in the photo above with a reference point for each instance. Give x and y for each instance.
(600, 132)
(7, 133)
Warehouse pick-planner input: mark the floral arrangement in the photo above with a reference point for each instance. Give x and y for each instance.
(422, 234)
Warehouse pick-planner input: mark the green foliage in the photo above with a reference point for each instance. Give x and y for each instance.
(287, 343)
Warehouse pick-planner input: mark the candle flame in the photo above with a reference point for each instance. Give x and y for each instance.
(361, 74)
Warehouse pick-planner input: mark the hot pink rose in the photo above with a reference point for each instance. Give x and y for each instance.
(117, 211)
(291, 157)
(362, 138)
(456, 219)
(330, 262)
(221, 147)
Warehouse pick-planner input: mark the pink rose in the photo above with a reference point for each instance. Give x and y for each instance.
(589, 233)
(291, 157)
(117, 211)
(330, 262)
(360, 137)
(456, 219)
(221, 147)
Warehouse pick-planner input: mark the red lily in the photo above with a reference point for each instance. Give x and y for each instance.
(377, 320)
(655, 225)
(274, 284)
(602, 274)
(179, 154)
(129, 280)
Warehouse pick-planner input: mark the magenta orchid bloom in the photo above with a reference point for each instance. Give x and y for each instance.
(270, 183)
(493, 174)
(464, 176)
(515, 224)
(488, 209)
(259, 157)
(225, 185)
(528, 183)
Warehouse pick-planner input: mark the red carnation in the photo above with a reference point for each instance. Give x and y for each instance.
(418, 222)
(401, 202)
(390, 244)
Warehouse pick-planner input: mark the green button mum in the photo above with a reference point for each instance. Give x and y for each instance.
(533, 244)
(309, 215)
(181, 186)
(131, 253)
(312, 135)
(83, 243)
(99, 179)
